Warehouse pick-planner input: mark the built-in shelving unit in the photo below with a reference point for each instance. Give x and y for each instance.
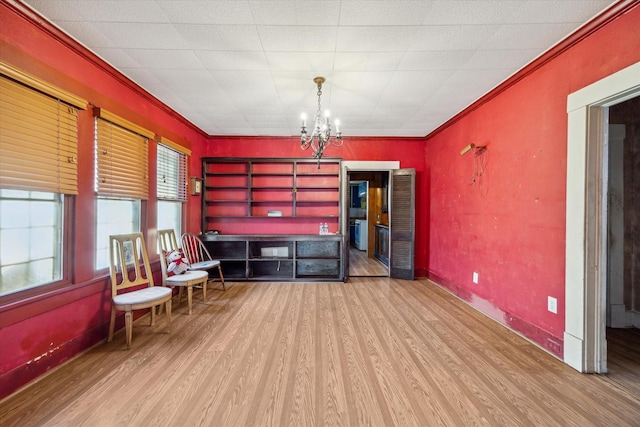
(267, 214)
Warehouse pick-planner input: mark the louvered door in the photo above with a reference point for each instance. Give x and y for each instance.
(402, 224)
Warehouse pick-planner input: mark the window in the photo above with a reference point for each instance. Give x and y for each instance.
(38, 156)
(122, 179)
(30, 239)
(172, 187)
(115, 216)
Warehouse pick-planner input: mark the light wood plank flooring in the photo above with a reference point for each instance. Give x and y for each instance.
(371, 352)
(363, 266)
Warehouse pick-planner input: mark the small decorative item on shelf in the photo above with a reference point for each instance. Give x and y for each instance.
(196, 186)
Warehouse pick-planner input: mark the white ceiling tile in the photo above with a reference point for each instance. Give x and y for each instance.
(377, 39)
(374, 12)
(500, 59)
(435, 60)
(118, 58)
(527, 36)
(229, 12)
(273, 12)
(279, 39)
(368, 61)
(160, 58)
(538, 11)
(141, 35)
(470, 12)
(219, 37)
(410, 88)
(299, 61)
(138, 11)
(294, 38)
(239, 37)
(87, 34)
(486, 78)
(318, 12)
(450, 37)
(233, 60)
(57, 10)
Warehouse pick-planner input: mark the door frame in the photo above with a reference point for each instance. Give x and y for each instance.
(349, 166)
(586, 209)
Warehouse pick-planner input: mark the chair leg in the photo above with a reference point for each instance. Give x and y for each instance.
(153, 315)
(179, 295)
(221, 277)
(112, 323)
(128, 323)
(189, 297)
(168, 308)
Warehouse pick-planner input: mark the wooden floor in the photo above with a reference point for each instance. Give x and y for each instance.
(371, 352)
(360, 265)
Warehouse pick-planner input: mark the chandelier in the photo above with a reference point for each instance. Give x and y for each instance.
(320, 137)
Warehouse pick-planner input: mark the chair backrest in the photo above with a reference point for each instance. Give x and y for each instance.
(167, 240)
(194, 249)
(127, 252)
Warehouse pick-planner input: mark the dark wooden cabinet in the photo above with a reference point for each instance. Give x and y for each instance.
(278, 257)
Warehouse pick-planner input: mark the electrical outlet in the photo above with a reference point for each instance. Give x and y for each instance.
(552, 305)
(475, 277)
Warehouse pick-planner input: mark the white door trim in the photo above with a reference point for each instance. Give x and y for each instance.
(584, 343)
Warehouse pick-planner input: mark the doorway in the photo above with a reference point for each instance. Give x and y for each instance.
(350, 167)
(587, 210)
(368, 221)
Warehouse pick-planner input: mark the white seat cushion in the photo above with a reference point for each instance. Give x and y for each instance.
(203, 265)
(187, 276)
(142, 296)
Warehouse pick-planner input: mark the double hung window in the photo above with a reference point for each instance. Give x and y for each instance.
(38, 170)
(122, 179)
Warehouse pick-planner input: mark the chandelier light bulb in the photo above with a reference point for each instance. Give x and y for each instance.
(327, 113)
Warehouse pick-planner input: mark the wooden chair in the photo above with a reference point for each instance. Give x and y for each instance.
(167, 242)
(128, 256)
(198, 255)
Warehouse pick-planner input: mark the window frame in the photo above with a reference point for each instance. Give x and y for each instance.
(28, 294)
(34, 293)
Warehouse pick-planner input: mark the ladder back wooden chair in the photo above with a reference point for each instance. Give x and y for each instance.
(130, 268)
(199, 257)
(168, 243)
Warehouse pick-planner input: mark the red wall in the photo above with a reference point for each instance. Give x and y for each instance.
(512, 230)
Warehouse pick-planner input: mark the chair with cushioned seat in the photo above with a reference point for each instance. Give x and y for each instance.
(128, 257)
(189, 279)
(199, 257)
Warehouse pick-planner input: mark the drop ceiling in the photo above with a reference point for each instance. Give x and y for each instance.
(393, 68)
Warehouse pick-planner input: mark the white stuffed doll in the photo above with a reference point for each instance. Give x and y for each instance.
(178, 264)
